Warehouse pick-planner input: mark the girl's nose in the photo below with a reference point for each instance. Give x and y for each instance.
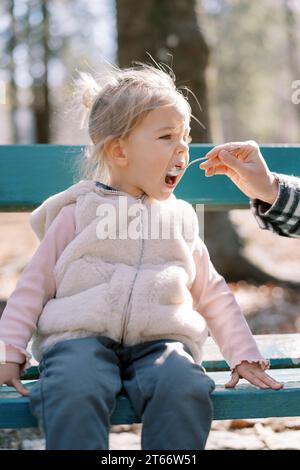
(183, 146)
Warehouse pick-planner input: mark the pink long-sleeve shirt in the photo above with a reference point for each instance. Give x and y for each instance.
(37, 285)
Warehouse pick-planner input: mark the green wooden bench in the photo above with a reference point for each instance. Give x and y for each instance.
(31, 173)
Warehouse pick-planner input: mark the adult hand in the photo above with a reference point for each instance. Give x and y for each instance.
(244, 164)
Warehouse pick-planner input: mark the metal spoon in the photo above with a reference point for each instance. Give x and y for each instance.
(176, 170)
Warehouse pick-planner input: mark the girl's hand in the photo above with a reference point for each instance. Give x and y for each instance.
(10, 375)
(244, 164)
(254, 374)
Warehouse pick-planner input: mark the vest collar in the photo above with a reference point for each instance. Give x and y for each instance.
(105, 188)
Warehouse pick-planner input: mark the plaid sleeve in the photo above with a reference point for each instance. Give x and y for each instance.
(283, 217)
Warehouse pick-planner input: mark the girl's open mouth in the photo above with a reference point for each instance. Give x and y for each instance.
(170, 180)
(172, 176)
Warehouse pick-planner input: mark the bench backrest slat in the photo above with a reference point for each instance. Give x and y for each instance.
(31, 173)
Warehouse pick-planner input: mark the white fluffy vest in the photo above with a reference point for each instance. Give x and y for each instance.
(133, 285)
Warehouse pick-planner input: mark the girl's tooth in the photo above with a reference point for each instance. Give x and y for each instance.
(174, 171)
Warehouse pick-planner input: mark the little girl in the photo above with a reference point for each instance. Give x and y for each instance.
(121, 290)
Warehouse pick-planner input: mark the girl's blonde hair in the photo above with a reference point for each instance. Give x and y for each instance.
(114, 102)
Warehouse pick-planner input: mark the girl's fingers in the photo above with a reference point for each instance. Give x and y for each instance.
(261, 379)
(266, 379)
(233, 380)
(254, 380)
(20, 387)
(258, 378)
(271, 383)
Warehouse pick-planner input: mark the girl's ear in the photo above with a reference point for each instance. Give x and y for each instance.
(115, 152)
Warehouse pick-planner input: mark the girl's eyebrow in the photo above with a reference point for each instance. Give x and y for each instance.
(165, 128)
(169, 128)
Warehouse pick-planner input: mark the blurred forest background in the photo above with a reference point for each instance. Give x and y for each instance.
(241, 60)
(248, 51)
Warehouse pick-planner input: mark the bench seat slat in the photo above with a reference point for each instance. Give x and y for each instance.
(283, 350)
(245, 401)
(248, 401)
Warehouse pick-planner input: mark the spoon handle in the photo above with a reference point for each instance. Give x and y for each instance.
(197, 160)
(205, 158)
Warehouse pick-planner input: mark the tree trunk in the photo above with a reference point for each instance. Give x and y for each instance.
(166, 28)
(13, 101)
(40, 89)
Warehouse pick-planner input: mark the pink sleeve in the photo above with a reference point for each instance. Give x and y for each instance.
(214, 300)
(34, 288)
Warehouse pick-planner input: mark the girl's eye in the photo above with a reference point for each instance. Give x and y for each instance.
(166, 136)
(169, 136)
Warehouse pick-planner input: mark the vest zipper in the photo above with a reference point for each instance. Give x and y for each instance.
(125, 318)
(127, 309)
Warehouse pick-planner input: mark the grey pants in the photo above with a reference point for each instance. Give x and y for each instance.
(80, 378)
